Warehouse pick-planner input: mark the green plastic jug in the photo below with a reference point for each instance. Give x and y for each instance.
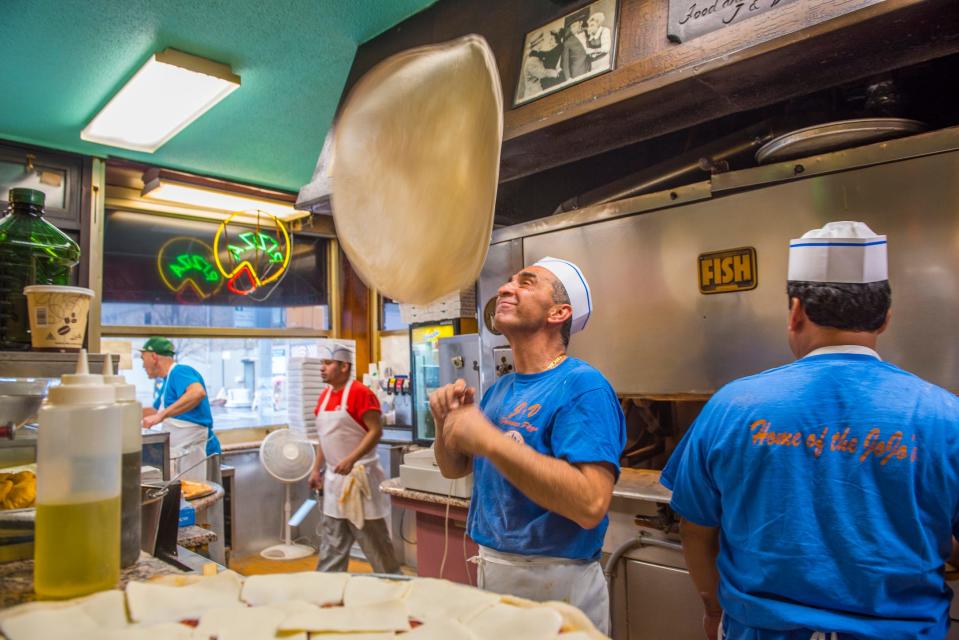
(32, 251)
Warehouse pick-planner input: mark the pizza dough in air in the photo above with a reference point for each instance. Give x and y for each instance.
(415, 169)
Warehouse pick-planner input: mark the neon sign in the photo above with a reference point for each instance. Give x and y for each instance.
(254, 242)
(255, 258)
(186, 267)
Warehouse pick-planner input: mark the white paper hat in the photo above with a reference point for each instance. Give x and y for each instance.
(845, 251)
(576, 287)
(336, 352)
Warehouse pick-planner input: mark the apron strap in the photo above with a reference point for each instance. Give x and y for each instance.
(346, 395)
(325, 394)
(166, 383)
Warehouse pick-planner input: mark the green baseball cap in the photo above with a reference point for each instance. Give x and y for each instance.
(159, 346)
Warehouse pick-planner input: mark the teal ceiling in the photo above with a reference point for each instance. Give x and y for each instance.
(62, 60)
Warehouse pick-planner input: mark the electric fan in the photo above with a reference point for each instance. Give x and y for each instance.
(289, 458)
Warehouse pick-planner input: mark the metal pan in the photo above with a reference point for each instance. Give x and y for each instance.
(832, 136)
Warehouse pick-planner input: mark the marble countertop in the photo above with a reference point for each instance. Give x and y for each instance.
(193, 536)
(16, 578)
(394, 488)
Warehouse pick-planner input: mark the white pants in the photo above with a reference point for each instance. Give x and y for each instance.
(580, 583)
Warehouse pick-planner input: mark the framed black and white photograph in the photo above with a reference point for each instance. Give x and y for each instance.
(568, 50)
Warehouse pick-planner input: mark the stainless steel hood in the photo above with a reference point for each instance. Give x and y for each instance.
(654, 334)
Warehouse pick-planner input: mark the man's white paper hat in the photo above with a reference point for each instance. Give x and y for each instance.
(336, 352)
(848, 252)
(576, 287)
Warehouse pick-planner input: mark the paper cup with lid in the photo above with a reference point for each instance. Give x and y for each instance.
(58, 316)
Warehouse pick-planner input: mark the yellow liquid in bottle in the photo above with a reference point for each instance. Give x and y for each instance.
(77, 548)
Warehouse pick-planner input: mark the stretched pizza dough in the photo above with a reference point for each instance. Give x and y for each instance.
(165, 631)
(314, 587)
(253, 623)
(441, 630)
(154, 603)
(104, 610)
(361, 590)
(433, 599)
(505, 621)
(380, 617)
(415, 169)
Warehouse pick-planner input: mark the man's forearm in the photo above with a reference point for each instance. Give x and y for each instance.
(701, 546)
(551, 483)
(187, 401)
(452, 464)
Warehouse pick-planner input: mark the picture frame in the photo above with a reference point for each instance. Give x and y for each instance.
(578, 45)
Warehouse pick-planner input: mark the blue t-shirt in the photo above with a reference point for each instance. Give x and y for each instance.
(174, 386)
(571, 413)
(834, 481)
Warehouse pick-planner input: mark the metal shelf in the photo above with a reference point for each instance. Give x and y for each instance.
(41, 364)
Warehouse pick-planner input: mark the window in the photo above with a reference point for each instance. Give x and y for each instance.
(160, 277)
(390, 319)
(161, 271)
(246, 378)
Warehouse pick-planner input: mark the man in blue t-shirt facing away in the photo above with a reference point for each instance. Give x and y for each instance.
(181, 407)
(820, 499)
(543, 446)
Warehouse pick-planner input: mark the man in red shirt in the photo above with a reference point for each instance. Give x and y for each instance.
(354, 508)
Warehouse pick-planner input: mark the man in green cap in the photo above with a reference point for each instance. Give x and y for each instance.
(182, 407)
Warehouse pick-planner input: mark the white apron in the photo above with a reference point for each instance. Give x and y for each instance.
(187, 441)
(340, 435)
(817, 635)
(581, 583)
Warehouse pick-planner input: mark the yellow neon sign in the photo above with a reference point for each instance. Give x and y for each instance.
(258, 243)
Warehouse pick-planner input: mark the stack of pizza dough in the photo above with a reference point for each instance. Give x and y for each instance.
(296, 606)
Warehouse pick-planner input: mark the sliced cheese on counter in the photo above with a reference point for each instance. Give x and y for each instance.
(251, 623)
(431, 599)
(362, 590)
(104, 610)
(165, 631)
(505, 621)
(380, 617)
(350, 636)
(314, 587)
(48, 623)
(441, 630)
(153, 603)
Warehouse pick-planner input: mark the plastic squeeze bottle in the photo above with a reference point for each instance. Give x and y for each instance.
(79, 444)
(132, 461)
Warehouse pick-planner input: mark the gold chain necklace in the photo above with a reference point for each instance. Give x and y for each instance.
(555, 362)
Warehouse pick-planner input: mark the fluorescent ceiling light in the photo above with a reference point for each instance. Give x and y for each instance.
(168, 92)
(216, 200)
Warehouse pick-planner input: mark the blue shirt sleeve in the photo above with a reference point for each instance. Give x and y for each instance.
(695, 496)
(591, 428)
(181, 378)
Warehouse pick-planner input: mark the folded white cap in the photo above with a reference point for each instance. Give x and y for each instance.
(848, 252)
(576, 287)
(336, 352)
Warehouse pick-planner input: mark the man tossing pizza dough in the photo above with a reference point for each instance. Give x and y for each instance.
(543, 446)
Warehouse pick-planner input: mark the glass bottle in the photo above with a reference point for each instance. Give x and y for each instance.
(32, 251)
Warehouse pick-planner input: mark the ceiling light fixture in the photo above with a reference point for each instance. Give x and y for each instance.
(162, 185)
(171, 90)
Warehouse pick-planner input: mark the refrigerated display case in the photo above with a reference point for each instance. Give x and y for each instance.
(425, 365)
